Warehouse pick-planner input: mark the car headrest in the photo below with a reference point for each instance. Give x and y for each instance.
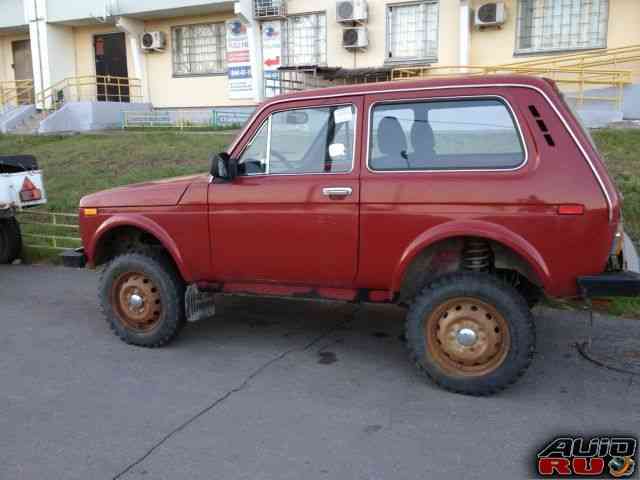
(422, 138)
(391, 137)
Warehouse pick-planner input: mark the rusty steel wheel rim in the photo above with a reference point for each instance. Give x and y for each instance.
(137, 301)
(467, 336)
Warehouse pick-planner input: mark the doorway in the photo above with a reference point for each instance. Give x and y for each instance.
(23, 68)
(111, 68)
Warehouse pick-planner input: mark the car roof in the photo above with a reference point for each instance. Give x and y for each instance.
(399, 85)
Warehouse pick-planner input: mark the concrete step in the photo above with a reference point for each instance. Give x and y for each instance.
(29, 125)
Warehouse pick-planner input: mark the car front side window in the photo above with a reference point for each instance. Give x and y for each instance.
(302, 141)
(254, 158)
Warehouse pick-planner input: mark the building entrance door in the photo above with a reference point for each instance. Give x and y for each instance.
(111, 68)
(23, 68)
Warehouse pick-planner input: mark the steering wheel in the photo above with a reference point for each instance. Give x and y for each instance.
(282, 159)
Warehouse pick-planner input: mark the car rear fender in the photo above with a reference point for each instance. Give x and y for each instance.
(473, 228)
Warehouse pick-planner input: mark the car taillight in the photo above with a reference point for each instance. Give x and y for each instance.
(29, 192)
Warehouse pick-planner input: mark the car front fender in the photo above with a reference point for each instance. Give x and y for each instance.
(145, 224)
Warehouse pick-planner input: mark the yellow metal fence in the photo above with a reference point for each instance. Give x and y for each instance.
(90, 88)
(49, 230)
(16, 92)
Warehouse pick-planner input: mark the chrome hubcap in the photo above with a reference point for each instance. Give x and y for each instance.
(136, 302)
(466, 337)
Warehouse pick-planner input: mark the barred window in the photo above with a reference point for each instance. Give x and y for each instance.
(412, 31)
(305, 41)
(550, 25)
(199, 49)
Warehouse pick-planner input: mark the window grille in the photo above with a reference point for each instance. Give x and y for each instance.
(412, 31)
(269, 8)
(305, 41)
(551, 25)
(199, 49)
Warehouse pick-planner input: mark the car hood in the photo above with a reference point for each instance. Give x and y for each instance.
(167, 192)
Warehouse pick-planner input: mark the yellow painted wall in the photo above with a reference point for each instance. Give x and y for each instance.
(6, 55)
(375, 53)
(496, 45)
(490, 46)
(167, 91)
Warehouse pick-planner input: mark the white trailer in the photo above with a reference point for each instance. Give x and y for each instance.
(21, 186)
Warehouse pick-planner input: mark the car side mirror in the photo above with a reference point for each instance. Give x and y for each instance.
(222, 166)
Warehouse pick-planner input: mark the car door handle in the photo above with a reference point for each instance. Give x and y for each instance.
(337, 191)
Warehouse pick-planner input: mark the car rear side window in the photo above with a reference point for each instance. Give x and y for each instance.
(469, 134)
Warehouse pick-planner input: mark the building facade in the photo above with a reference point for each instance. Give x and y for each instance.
(219, 53)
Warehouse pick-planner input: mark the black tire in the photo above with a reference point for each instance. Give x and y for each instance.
(10, 240)
(532, 295)
(430, 356)
(169, 293)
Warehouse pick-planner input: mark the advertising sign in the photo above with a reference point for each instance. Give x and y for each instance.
(238, 61)
(271, 55)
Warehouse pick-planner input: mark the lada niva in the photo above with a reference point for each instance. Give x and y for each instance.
(463, 199)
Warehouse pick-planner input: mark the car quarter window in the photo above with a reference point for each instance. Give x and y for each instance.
(307, 140)
(464, 134)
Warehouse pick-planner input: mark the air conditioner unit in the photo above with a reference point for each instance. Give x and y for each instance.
(351, 11)
(490, 14)
(153, 41)
(355, 37)
(269, 9)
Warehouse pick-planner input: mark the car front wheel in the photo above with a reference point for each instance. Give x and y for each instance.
(471, 333)
(142, 298)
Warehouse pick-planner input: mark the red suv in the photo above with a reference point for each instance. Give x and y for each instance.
(463, 199)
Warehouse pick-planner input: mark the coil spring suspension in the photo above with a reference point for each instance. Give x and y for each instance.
(477, 255)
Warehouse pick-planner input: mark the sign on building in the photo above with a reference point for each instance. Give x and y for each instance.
(238, 61)
(271, 56)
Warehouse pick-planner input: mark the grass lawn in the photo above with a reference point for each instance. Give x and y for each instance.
(80, 164)
(76, 165)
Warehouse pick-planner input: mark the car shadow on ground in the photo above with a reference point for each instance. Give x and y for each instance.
(375, 333)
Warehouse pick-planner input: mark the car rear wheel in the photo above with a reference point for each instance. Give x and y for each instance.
(142, 298)
(10, 240)
(471, 333)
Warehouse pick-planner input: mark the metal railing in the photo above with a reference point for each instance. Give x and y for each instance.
(585, 76)
(289, 81)
(185, 118)
(594, 59)
(49, 230)
(14, 93)
(90, 88)
(578, 83)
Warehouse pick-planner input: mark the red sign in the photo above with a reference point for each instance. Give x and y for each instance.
(238, 57)
(270, 62)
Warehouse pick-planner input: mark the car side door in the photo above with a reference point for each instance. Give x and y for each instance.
(291, 214)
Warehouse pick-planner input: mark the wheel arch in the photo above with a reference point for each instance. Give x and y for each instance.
(511, 250)
(98, 249)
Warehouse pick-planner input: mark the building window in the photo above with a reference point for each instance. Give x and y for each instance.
(305, 42)
(199, 49)
(477, 134)
(552, 25)
(412, 31)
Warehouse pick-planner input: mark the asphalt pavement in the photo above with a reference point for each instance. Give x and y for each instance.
(273, 389)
